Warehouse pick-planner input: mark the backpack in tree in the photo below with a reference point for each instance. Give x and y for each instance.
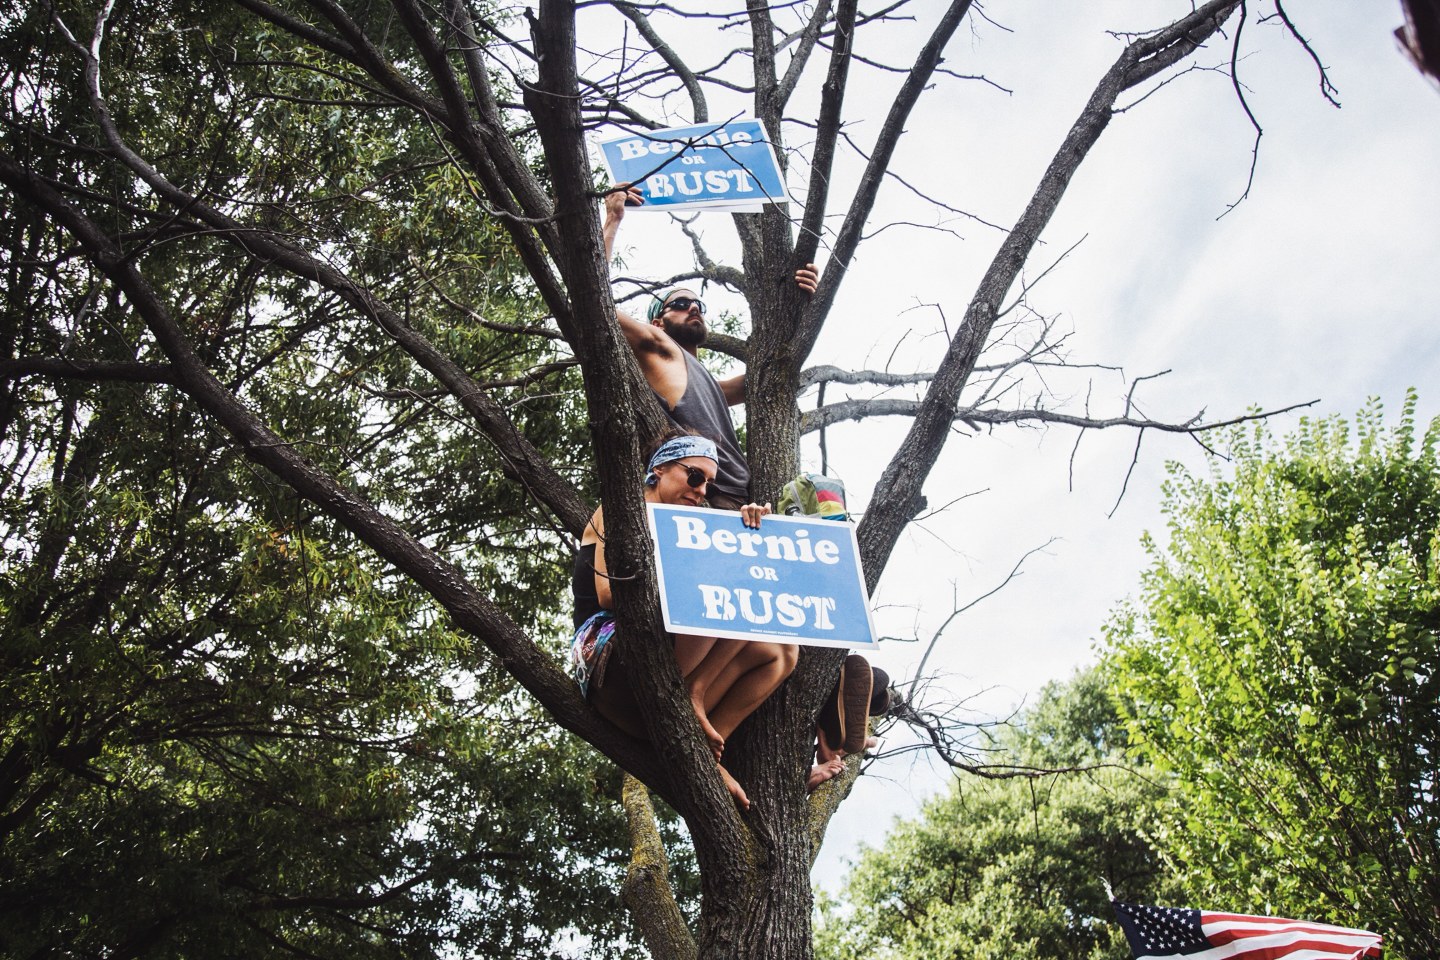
(814, 495)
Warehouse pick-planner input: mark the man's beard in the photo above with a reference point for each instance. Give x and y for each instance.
(685, 333)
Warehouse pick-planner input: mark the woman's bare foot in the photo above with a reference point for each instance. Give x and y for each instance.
(735, 789)
(824, 771)
(717, 742)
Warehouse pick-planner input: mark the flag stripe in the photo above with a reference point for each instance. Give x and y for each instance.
(1242, 950)
(1245, 951)
(1207, 918)
(1291, 936)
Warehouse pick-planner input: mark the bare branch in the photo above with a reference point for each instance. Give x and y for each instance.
(831, 374)
(912, 462)
(1027, 285)
(957, 610)
(1327, 89)
(827, 129)
(127, 371)
(973, 416)
(672, 59)
(851, 228)
(934, 201)
(805, 44)
(1129, 472)
(709, 269)
(955, 753)
(1245, 105)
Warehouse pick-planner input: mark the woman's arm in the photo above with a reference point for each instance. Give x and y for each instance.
(595, 533)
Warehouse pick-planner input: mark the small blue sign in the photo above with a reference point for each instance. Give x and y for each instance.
(709, 165)
(794, 580)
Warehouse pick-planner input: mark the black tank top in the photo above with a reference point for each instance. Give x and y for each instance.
(703, 409)
(582, 585)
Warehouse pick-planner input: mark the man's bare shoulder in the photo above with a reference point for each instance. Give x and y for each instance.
(646, 338)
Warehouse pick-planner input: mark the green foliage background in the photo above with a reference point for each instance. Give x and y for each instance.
(225, 729)
(1273, 694)
(1283, 662)
(1013, 869)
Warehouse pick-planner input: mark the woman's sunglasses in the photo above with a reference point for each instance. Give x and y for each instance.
(695, 476)
(683, 304)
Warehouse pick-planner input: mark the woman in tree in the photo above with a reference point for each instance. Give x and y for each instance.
(726, 679)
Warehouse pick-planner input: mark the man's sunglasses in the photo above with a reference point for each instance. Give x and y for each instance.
(683, 304)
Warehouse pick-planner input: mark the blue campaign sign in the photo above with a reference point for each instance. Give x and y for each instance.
(794, 580)
(709, 165)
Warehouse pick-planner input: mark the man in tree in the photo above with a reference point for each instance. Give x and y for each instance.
(666, 349)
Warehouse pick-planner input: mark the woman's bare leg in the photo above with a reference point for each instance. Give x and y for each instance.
(748, 679)
(691, 651)
(701, 660)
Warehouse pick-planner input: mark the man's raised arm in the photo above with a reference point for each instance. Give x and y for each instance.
(642, 337)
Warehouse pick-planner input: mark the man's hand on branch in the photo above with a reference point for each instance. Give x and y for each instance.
(807, 278)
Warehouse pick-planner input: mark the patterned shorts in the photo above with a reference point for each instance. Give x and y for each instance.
(590, 650)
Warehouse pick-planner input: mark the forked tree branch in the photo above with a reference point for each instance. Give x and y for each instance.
(520, 459)
(869, 187)
(913, 460)
(472, 611)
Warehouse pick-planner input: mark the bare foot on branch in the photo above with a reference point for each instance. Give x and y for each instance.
(735, 789)
(717, 742)
(824, 771)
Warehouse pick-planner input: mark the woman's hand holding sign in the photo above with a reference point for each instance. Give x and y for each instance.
(751, 513)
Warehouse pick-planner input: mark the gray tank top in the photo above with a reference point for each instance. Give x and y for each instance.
(703, 409)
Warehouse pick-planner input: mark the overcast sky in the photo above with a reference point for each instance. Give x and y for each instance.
(1320, 286)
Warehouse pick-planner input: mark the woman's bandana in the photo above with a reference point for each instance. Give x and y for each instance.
(678, 448)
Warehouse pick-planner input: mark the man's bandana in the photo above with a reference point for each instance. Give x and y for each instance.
(657, 306)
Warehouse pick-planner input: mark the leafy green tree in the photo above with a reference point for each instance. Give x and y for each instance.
(1283, 660)
(1015, 868)
(226, 728)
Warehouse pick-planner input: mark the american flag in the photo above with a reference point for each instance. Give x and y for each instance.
(1163, 932)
